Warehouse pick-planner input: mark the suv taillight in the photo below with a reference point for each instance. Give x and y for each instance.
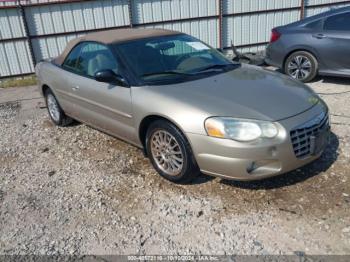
(275, 35)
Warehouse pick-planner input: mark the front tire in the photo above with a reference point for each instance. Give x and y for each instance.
(55, 111)
(301, 65)
(170, 152)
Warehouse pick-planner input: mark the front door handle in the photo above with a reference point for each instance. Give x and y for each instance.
(319, 36)
(75, 88)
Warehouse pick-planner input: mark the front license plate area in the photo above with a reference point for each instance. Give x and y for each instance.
(318, 142)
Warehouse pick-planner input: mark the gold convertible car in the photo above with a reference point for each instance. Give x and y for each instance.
(190, 108)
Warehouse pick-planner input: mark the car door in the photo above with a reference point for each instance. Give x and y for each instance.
(66, 79)
(333, 43)
(105, 106)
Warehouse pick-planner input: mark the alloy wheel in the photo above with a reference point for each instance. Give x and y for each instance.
(299, 67)
(53, 107)
(167, 153)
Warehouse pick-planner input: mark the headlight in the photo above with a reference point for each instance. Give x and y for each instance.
(240, 130)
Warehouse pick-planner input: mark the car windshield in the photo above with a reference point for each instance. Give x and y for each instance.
(172, 58)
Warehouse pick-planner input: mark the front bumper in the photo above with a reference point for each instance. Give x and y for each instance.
(252, 161)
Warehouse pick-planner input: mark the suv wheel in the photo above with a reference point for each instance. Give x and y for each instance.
(55, 111)
(302, 66)
(170, 153)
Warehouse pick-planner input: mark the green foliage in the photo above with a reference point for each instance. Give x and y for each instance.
(18, 81)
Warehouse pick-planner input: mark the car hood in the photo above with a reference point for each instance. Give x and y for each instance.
(245, 92)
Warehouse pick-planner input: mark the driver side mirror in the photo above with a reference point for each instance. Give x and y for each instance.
(108, 76)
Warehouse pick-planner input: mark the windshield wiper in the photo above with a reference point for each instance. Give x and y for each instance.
(171, 72)
(216, 66)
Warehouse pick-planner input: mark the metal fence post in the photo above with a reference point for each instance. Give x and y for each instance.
(302, 9)
(27, 33)
(130, 13)
(221, 10)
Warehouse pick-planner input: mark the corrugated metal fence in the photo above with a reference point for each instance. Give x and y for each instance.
(33, 30)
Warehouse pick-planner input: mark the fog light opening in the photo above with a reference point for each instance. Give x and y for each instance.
(273, 151)
(264, 167)
(251, 167)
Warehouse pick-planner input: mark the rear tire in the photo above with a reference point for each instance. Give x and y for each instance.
(170, 152)
(301, 65)
(55, 111)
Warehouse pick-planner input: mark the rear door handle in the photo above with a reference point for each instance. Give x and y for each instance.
(319, 36)
(75, 88)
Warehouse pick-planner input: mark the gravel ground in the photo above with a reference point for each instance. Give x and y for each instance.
(75, 190)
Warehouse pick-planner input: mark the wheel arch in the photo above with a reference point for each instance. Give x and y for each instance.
(44, 88)
(300, 49)
(148, 120)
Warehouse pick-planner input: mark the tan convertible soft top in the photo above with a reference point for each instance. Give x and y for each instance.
(113, 36)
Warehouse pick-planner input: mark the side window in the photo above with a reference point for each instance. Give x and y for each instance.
(338, 22)
(95, 57)
(71, 60)
(315, 25)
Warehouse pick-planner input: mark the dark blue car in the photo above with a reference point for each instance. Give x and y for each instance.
(316, 45)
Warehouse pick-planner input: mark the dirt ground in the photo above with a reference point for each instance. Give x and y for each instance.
(75, 190)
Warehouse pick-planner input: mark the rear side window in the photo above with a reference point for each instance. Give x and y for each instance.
(72, 58)
(338, 23)
(315, 24)
(95, 57)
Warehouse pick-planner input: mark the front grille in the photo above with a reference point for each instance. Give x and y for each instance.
(301, 136)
